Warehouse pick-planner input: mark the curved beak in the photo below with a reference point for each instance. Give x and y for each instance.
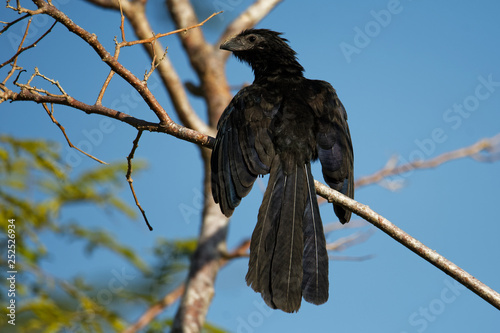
(233, 44)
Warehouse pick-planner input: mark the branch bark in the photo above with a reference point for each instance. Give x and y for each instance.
(173, 129)
(135, 13)
(113, 63)
(476, 286)
(204, 58)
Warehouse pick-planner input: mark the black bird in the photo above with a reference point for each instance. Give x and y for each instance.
(278, 125)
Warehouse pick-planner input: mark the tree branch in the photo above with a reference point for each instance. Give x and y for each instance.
(22, 49)
(204, 58)
(9, 24)
(61, 127)
(476, 286)
(130, 180)
(113, 63)
(473, 151)
(173, 129)
(134, 11)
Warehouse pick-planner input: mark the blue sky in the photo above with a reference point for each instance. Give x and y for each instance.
(418, 78)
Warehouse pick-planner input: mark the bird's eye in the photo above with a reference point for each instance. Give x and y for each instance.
(252, 38)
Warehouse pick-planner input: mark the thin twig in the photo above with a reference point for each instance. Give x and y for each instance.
(37, 91)
(343, 243)
(117, 53)
(104, 87)
(335, 226)
(21, 9)
(9, 24)
(19, 48)
(11, 72)
(135, 13)
(391, 169)
(149, 40)
(476, 286)
(130, 180)
(122, 21)
(167, 125)
(14, 64)
(173, 129)
(166, 121)
(54, 82)
(22, 49)
(51, 115)
(108, 78)
(351, 258)
(154, 63)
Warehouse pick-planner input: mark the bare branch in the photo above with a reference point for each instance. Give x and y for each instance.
(204, 59)
(335, 226)
(21, 9)
(130, 180)
(476, 286)
(14, 67)
(122, 22)
(167, 125)
(172, 129)
(154, 63)
(19, 48)
(155, 37)
(36, 73)
(51, 115)
(135, 13)
(351, 258)
(9, 24)
(343, 243)
(474, 151)
(91, 39)
(105, 85)
(22, 49)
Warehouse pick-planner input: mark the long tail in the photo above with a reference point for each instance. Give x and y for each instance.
(315, 261)
(288, 257)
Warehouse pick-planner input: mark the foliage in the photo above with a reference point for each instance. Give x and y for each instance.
(35, 187)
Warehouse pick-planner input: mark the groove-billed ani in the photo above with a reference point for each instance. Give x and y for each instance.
(278, 125)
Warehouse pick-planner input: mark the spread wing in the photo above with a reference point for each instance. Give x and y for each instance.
(243, 147)
(334, 143)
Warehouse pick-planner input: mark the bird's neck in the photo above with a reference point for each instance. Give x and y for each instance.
(276, 72)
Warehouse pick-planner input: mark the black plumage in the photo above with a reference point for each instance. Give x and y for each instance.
(278, 125)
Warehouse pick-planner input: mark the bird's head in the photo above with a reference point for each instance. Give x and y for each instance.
(264, 50)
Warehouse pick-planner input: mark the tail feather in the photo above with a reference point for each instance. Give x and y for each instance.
(286, 266)
(261, 245)
(315, 260)
(288, 258)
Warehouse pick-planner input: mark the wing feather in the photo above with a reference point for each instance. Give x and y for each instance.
(334, 144)
(243, 148)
